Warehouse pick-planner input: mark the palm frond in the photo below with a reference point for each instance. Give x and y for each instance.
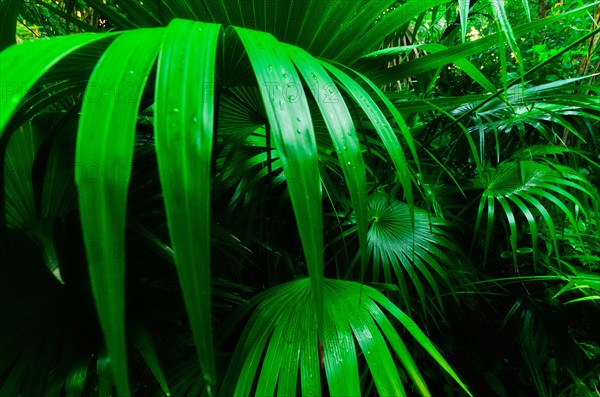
(408, 251)
(532, 187)
(280, 344)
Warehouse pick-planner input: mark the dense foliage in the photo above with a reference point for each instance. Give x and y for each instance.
(367, 197)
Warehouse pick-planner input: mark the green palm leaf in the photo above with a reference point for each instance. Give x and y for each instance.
(27, 206)
(400, 246)
(293, 132)
(280, 343)
(343, 133)
(531, 187)
(312, 25)
(184, 131)
(105, 144)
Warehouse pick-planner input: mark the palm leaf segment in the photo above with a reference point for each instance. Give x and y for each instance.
(184, 129)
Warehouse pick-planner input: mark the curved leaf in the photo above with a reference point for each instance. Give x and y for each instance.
(103, 157)
(184, 117)
(21, 66)
(292, 129)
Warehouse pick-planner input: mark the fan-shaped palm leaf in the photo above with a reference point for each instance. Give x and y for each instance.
(532, 187)
(280, 344)
(400, 246)
(336, 29)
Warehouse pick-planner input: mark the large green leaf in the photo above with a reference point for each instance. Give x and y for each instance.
(381, 125)
(335, 29)
(103, 157)
(280, 343)
(184, 117)
(292, 128)
(343, 133)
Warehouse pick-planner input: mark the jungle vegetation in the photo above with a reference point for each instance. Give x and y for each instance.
(310, 197)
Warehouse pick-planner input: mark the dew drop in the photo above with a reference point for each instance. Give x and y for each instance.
(290, 98)
(194, 120)
(131, 72)
(175, 110)
(270, 68)
(349, 163)
(298, 131)
(345, 147)
(298, 119)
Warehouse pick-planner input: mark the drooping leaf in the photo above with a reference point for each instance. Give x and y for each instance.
(292, 128)
(184, 117)
(343, 133)
(104, 154)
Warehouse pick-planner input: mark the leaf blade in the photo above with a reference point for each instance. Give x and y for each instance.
(184, 128)
(105, 144)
